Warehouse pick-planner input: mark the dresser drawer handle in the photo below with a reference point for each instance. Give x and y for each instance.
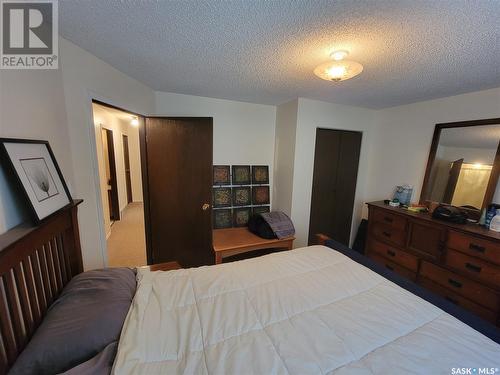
(472, 267)
(452, 300)
(388, 219)
(455, 283)
(391, 253)
(478, 248)
(389, 267)
(387, 234)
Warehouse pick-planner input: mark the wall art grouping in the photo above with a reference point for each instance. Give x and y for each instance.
(239, 192)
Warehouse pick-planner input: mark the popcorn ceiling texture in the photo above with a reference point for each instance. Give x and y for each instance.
(265, 51)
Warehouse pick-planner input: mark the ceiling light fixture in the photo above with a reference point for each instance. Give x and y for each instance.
(339, 69)
(134, 121)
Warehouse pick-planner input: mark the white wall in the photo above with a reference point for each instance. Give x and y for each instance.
(31, 106)
(86, 77)
(284, 154)
(243, 132)
(403, 138)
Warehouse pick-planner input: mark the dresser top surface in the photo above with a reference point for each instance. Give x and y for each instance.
(467, 228)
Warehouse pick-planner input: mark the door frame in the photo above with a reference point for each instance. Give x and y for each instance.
(115, 199)
(105, 102)
(128, 177)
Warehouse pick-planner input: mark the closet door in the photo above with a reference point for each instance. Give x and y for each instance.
(178, 211)
(336, 161)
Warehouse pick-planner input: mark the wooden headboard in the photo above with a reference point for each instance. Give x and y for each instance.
(36, 262)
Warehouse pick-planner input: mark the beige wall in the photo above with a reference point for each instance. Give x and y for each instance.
(243, 132)
(403, 138)
(284, 154)
(32, 106)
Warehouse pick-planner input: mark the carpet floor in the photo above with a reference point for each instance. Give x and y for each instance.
(127, 242)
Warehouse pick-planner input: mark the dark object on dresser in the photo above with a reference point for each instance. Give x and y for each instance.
(459, 262)
(450, 213)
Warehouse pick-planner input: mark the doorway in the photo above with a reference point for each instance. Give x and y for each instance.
(110, 174)
(120, 177)
(336, 161)
(126, 160)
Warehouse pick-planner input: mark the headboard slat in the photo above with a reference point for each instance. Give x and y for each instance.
(37, 273)
(45, 276)
(14, 310)
(22, 293)
(32, 292)
(8, 339)
(36, 263)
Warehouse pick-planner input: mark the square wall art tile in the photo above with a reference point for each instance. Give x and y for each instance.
(260, 195)
(242, 196)
(241, 216)
(222, 197)
(260, 175)
(241, 175)
(221, 175)
(223, 218)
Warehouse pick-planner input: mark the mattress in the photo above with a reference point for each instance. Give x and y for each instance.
(307, 311)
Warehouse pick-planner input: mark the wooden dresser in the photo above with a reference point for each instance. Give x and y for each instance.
(459, 262)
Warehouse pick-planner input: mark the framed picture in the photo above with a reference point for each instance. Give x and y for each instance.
(242, 196)
(221, 197)
(221, 175)
(38, 174)
(223, 218)
(260, 195)
(260, 209)
(241, 175)
(260, 175)
(241, 216)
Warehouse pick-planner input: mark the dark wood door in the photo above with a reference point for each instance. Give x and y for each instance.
(110, 165)
(178, 161)
(336, 161)
(456, 166)
(126, 157)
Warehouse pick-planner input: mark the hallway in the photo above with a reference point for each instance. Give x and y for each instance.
(127, 243)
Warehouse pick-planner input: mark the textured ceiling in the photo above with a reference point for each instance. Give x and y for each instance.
(486, 137)
(265, 51)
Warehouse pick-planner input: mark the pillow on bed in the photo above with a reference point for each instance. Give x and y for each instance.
(88, 315)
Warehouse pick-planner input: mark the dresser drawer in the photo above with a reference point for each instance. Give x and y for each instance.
(388, 218)
(461, 285)
(484, 271)
(478, 247)
(389, 234)
(457, 299)
(394, 267)
(393, 254)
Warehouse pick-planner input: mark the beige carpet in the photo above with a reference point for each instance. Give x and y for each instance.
(127, 242)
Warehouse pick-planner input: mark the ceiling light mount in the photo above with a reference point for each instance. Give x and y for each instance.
(339, 54)
(339, 69)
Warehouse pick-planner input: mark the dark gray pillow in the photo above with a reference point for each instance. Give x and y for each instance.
(101, 364)
(87, 317)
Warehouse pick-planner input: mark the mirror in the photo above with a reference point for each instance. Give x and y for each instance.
(463, 164)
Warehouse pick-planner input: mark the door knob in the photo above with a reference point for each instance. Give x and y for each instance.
(205, 206)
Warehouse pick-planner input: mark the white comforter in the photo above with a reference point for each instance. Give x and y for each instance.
(306, 311)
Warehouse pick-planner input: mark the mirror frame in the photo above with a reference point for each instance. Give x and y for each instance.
(495, 170)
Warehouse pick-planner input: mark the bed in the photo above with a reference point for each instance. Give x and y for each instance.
(314, 310)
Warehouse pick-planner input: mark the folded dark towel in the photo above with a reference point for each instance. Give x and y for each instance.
(280, 223)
